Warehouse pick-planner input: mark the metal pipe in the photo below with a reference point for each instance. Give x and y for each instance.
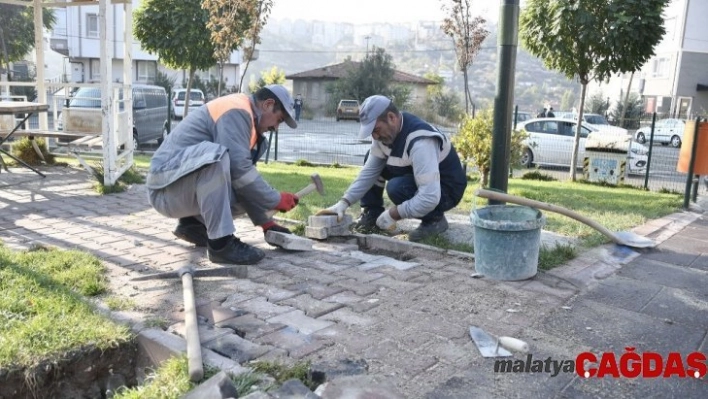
(651, 146)
(691, 164)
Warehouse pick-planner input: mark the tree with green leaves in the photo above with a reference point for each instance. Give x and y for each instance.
(372, 76)
(17, 31)
(269, 77)
(567, 100)
(597, 103)
(591, 39)
(176, 31)
(231, 23)
(467, 33)
(474, 143)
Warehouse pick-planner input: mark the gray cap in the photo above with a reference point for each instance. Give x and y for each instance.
(371, 109)
(282, 93)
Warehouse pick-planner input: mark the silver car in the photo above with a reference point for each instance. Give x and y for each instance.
(550, 142)
(666, 131)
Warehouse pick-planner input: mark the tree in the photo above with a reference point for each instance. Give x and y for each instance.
(176, 31)
(372, 76)
(474, 143)
(633, 113)
(272, 76)
(231, 22)
(567, 101)
(17, 31)
(597, 104)
(467, 33)
(591, 39)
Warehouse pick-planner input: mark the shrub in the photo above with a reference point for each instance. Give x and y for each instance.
(474, 143)
(23, 150)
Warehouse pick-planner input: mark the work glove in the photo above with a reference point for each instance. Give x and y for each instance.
(272, 226)
(337, 209)
(386, 221)
(287, 202)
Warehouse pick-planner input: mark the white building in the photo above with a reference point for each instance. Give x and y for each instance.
(674, 81)
(75, 35)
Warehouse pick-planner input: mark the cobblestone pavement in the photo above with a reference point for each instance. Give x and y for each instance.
(404, 308)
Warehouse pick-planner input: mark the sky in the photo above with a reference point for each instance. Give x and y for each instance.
(371, 11)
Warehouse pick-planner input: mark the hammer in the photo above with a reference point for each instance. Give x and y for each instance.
(194, 346)
(316, 184)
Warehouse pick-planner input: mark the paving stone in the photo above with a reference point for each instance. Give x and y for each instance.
(344, 297)
(622, 292)
(365, 305)
(314, 289)
(214, 313)
(356, 287)
(206, 332)
(294, 341)
(290, 242)
(292, 389)
(264, 309)
(398, 274)
(337, 265)
(322, 221)
(348, 317)
(310, 306)
(360, 387)
(249, 326)
(675, 257)
(364, 257)
(679, 306)
(336, 248)
(237, 348)
(217, 387)
(665, 274)
(318, 233)
(700, 263)
(606, 328)
(323, 371)
(278, 279)
(536, 286)
(299, 321)
(360, 275)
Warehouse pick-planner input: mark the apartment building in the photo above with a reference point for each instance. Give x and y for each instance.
(675, 80)
(76, 36)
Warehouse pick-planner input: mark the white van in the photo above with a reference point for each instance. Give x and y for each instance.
(196, 100)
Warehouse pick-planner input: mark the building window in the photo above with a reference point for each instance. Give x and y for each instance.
(95, 67)
(660, 67)
(146, 71)
(91, 25)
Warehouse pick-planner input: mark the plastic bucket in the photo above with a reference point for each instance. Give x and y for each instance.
(506, 241)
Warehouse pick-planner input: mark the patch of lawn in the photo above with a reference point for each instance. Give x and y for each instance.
(171, 381)
(282, 373)
(438, 240)
(616, 208)
(43, 312)
(548, 258)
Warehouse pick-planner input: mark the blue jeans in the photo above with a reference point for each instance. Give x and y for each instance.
(401, 189)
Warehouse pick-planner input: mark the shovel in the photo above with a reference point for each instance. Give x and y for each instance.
(626, 238)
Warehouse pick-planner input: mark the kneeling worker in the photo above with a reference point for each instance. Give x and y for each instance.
(424, 174)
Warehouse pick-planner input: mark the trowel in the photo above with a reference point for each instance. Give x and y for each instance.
(495, 347)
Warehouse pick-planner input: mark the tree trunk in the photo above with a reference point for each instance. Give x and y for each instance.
(484, 177)
(221, 77)
(467, 98)
(5, 58)
(576, 142)
(188, 94)
(626, 98)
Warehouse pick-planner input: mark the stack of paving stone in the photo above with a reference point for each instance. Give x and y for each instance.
(322, 227)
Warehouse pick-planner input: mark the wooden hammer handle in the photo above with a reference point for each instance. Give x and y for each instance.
(308, 189)
(194, 345)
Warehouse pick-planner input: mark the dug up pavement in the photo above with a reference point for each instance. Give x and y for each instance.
(387, 316)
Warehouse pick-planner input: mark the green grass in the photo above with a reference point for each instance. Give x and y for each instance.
(616, 208)
(548, 258)
(438, 240)
(282, 373)
(171, 381)
(43, 312)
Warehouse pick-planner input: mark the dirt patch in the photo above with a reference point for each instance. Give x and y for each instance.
(82, 374)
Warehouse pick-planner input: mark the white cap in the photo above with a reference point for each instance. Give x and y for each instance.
(369, 111)
(288, 104)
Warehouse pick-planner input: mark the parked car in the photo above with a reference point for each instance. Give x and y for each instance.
(150, 117)
(666, 131)
(348, 109)
(520, 117)
(596, 120)
(550, 142)
(196, 100)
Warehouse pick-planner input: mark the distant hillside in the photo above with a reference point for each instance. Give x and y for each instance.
(535, 86)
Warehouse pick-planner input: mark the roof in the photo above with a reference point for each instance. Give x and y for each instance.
(339, 71)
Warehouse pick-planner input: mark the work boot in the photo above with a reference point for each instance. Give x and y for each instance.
(426, 229)
(191, 230)
(366, 222)
(235, 252)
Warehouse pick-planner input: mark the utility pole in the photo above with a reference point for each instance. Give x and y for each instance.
(367, 37)
(508, 34)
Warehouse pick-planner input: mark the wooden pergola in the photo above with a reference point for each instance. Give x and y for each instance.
(115, 160)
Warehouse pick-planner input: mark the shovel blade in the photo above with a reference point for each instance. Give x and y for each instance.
(487, 345)
(629, 239)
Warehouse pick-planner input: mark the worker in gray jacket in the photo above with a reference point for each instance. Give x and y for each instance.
(204, 172)
(416, 163)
